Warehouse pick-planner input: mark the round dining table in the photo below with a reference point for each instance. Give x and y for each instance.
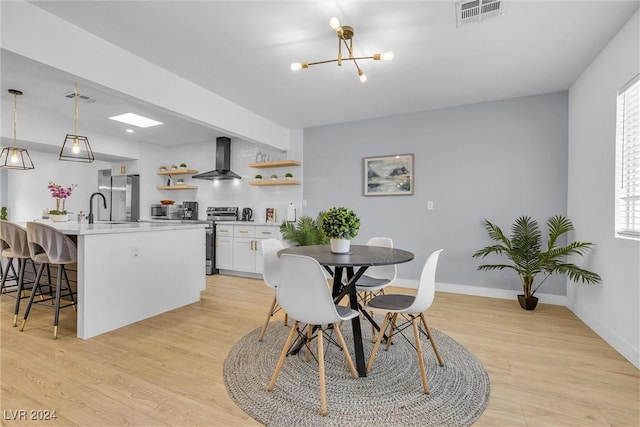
(352, 265)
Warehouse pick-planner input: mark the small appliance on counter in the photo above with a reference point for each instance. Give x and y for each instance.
(190, 210)
(247, 214)
(163, 211)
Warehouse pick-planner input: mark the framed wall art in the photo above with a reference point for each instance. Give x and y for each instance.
(388, 175)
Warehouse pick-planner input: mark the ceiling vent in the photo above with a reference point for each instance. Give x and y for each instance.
(477, 10)
(82, 98)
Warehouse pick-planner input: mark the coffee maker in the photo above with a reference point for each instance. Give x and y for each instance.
(190, 210)
(247, 214)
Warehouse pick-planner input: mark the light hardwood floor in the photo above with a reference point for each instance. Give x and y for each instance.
(546, 367)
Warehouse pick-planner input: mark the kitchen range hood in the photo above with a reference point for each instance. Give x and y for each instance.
(223, 162)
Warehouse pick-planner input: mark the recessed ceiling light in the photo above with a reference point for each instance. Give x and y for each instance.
(136, 120)
(129, 130)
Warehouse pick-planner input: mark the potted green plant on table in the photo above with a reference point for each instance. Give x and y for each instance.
(306, 231)
(340, 224)
(3, 213)
(528, 259)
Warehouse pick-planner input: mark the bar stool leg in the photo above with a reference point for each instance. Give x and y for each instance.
(66, 278)
(57, 308)
(33, 294)
(6, 273)
(22, 263)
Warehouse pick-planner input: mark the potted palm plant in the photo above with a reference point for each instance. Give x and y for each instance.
(529, 258)
(340, 224)
(304, 232)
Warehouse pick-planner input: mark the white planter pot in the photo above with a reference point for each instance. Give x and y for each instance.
(340, 246)
(59, 218)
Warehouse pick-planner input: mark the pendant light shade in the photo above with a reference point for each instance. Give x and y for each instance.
(14, 157)
(76, 148)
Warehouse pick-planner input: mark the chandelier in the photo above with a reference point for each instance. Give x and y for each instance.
(14, 157)
(345, 35)
(76, 148)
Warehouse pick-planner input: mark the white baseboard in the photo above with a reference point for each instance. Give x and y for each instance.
(485, 292)
(621, 346)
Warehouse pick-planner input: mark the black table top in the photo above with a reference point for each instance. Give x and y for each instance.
(359, 255)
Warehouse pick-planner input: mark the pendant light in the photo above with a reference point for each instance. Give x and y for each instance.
(14, 157)
(76, 148)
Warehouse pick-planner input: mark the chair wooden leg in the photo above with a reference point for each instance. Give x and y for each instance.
(33, 294)
(347, 356)
(432, 339)
(286, 319)
(307, 350)
(56, 314)
(323, 387)
(374, 351)
(423, 371)
(22, 264)
(266, 322)
(392, 331)
(283, 354)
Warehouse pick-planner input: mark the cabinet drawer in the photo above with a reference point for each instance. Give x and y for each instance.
(224, 230)
(244, 231)
(266, 232)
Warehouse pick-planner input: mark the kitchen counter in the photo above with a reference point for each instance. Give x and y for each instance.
(129, 272)
(75, 229)
(258, 223)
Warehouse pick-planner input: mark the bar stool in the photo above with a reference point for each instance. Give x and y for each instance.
(14, 246)
(48, 246)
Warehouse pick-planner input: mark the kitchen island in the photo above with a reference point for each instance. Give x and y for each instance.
(128, 272)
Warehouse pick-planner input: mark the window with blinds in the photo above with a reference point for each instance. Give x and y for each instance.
(628, 160)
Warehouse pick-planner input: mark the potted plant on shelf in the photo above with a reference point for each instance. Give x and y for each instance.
(288, 175)
(174, 167)
(258, 177)
(306, 231)
(60, 193)
(340, 224)
(180, 181)
(183, 165)
(274, 176)
(525, 251)
(163, 168)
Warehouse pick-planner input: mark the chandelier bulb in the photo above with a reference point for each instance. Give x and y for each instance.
(334, 23)
(14, 156)
(76, 148)
(387, 56)
(363, 76)
(295, 66)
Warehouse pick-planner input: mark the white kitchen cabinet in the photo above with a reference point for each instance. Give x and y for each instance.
(224, 247)
(247, 250)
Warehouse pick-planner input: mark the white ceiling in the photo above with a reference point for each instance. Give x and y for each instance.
(242, 50)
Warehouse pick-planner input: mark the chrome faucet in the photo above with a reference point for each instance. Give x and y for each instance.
(104, 201)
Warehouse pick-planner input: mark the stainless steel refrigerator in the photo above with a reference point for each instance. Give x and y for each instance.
(123, 197)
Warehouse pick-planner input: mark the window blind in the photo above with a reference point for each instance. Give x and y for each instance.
(627, 210)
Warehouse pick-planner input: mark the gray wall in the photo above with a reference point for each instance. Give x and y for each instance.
(496, 160)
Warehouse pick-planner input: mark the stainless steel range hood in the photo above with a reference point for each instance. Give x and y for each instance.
(223, 162)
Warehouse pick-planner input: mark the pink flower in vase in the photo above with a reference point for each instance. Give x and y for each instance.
(60, 193)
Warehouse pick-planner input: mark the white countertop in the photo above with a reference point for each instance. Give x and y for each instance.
(73, 228)
(261, 224)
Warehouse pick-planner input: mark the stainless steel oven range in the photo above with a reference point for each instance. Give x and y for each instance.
(216, 214)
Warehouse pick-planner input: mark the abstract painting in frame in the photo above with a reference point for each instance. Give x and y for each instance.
(388, 175)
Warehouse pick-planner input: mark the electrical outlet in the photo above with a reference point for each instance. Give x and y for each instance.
(135, 252)
(304, 202)
(429, 205)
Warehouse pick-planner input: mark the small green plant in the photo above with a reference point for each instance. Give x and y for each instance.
(174, 167)
(163, 168)
(306, 231)
(258, 176)
(288, 175)
(3, 213)
(180, 181)
(183, 165)
(340, 223)
(274, 176)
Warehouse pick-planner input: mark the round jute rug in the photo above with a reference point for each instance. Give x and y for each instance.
(391, 394)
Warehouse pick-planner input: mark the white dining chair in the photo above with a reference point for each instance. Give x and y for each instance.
(271, 277)
(412, 308)
(304, 294)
